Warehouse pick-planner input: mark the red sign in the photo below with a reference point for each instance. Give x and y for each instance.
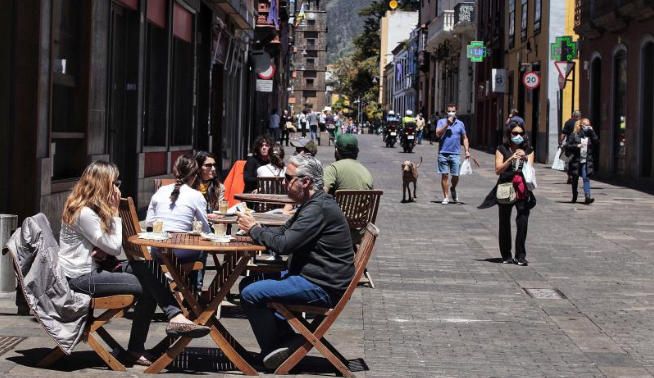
(531, 80)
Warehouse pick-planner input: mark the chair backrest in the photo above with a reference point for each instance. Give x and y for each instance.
(158, 183)
(359, 206)
(361, 258)
(269, 185)
(131, 227)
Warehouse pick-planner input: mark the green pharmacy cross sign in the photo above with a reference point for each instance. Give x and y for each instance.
(477, 51)
(564, 49)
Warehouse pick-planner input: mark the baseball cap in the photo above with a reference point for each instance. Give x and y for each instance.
(300, 143)
(347, 143)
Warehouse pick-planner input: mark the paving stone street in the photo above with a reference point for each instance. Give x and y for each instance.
(443, 305)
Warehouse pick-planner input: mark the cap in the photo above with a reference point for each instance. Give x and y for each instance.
(311, 147)
(347, 143)
(300, 143)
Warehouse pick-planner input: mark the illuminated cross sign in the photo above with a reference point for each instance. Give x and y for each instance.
(476, 51)
(564, 49)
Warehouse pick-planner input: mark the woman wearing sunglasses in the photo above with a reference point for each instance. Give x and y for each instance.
(579, 146)
(510, 158)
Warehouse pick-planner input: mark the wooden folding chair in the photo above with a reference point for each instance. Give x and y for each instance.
(360, 208)
(315, 331)
(131, 226)
(115, 306)
(269, 185)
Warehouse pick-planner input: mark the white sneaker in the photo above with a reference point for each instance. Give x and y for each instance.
(445, 201)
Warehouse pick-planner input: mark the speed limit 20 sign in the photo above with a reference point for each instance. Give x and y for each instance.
(531, 80)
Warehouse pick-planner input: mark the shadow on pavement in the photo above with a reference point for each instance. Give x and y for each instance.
(76, 361)
(496, 260)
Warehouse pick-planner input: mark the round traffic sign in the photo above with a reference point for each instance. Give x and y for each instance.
(531, 80)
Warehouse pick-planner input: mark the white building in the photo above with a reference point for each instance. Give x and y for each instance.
(395, 27)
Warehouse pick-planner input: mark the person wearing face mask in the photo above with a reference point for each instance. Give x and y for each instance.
(510, 158)
(451, 132)
(579, 147)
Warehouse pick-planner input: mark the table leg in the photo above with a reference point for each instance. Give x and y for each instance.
(169, 356)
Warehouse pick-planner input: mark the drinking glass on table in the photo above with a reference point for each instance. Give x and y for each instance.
(157, 226)
(223, 206)
(220, 229)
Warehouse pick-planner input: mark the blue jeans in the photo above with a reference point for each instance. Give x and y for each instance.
(271, 331)
(313, 132)
(583, 172)
(419, 137)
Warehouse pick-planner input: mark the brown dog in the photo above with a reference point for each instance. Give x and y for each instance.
(410, 175)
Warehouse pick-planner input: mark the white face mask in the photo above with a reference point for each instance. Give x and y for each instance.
(451, 114)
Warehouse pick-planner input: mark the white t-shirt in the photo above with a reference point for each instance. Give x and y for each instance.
(76, 242)
(178, 217)
(270, 170)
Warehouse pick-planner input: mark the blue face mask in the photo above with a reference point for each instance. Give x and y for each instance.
(517, 139)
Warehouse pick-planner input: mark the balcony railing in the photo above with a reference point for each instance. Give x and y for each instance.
(442, 26)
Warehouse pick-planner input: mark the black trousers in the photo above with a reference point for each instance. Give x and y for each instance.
(521, 221)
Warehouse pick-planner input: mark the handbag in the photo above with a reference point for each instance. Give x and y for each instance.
(505, 194)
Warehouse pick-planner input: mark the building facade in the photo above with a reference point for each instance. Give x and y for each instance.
(405, 81)
(395, 27)
(310, 57)
(135, 82)
(617, 90)
(449, 74)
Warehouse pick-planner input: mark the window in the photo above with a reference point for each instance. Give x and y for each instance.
(183, 77)
(523, 21)
(311, 22)
(647, 106)
(68, 112)
(310, 34)
(309, 83)
(310, 61)
(311, 42)
(538, 5)
(308, 94)
(156, 75)
(511, 23)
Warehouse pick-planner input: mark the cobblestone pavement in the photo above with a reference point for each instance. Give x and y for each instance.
(443, 306)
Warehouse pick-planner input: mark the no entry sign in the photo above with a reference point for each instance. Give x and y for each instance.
(531, 80)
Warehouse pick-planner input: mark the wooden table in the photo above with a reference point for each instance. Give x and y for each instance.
(280, 199)
(237, 255)
(263, 218)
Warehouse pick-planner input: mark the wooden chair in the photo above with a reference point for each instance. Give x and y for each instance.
(158, 183)
(315, 331)
(269, 185)
(115, 307)
(131, 226)
(360, 208)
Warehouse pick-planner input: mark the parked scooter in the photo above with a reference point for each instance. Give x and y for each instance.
(408, 140)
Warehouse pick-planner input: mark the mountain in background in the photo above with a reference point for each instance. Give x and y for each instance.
(344, 24)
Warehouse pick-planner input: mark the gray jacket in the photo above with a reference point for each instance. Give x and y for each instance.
(62, 312)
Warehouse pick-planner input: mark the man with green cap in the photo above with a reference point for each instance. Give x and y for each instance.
(346, 172)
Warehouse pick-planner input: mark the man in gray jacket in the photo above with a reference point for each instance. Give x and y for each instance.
(320, 264)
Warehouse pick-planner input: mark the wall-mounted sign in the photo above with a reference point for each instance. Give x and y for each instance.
(531, 80)
(498, 83)
(264, 86)
(564, 49)
(464, 12)
(476, 51)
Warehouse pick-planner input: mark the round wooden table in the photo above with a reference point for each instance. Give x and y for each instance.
(280, 199)
(237, 255)
(262, 218)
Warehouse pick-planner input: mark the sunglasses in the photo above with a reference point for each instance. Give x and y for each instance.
(289, 178)
(517, 133)
(117, 183)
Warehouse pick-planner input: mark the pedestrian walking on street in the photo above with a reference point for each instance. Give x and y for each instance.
(420, 127)
(273, 126)
(568, 128)
(579, 147)
(313, 126)
(286, 119)
(510, 158)
(451, 131)
(302, 122)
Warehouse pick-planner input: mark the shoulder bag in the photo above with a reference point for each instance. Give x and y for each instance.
(505, 194)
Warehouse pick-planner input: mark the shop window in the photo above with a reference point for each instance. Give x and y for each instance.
(512, 23)
(182, 93)
(156, 74)
(523, 20)
(538, 10)
(68, 113)
(620, 120)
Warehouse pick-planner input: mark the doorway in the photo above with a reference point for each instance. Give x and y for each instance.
(620, 121)
(123, 90)
(596, 107)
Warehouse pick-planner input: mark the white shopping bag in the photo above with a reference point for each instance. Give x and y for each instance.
(529, 174)
(466, 168)
(558, 164)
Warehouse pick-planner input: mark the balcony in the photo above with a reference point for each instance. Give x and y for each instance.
(304, 44)
(240, 11)
(440, 29)
(594, 17)
(460, 19)
(313, 22)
